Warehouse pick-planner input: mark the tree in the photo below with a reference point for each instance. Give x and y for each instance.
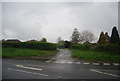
(87, 36)
(58, 40)
(75, 36)
(102, 39)
(107, 38)
(114, 36)
(61, 44)
(43, 40)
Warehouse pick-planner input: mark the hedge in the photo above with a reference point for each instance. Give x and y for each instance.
(81, 46)
(108, 48)
(31, 45)
(111, 48)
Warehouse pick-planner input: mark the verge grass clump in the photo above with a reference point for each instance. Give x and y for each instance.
(11, 52)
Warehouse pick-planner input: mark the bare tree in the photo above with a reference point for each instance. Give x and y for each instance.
(58, 39)
(87, 36)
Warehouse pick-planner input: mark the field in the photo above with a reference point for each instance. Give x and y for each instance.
(12, 52)
(95, 55)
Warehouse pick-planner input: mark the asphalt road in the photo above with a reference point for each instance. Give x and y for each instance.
(61, 66)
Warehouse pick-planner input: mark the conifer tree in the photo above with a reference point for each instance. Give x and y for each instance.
(75, 36)
(102, 39)
(114, 36)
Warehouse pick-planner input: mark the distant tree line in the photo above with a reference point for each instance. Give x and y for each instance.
(17, 40)
(105, 43)
(88, 37)
(84, 37)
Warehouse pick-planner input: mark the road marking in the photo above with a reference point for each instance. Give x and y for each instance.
(49, 61)
(116, 64)
(69, 62)
(57, 61)
(77, 62)
(28, 72)
(106, 64)
(21, 66)
(96, 64)
(53, 59)
(62, 62)
(86, 63)
(60, 54)
(104, 73)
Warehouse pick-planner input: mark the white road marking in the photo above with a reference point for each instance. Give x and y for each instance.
(48, 61)
(69, 62)
(104, 73)
(21, 66)
(57, 62)
(96, 64)
(86, 63)
(77, 62)
(106, 64)
(53, 59)
(28, 72)
(116, 64)
(62, 62)
(60, 54)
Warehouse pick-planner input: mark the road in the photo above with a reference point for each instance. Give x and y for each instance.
(61, 66)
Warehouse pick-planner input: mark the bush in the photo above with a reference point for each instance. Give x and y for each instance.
(31, 45)
(81, 46)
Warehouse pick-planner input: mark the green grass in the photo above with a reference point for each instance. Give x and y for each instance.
(95, 56)
(11, 52)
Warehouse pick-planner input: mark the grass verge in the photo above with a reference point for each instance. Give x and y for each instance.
(13, 52)
(95, 56)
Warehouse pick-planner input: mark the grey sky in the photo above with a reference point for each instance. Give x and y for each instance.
(0, 20)
(53, 19)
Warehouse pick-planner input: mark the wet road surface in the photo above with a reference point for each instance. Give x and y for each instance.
(60, 65)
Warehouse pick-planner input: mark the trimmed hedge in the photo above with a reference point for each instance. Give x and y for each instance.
(31, 45)
(111, 48)
(81, 46)
(108, 48)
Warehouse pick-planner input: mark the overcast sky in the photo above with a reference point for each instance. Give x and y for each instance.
(34, 20)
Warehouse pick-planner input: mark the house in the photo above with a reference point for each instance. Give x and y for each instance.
(86, 42)
(12, 40)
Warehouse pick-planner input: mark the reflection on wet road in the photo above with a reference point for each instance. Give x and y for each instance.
(63, 56)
